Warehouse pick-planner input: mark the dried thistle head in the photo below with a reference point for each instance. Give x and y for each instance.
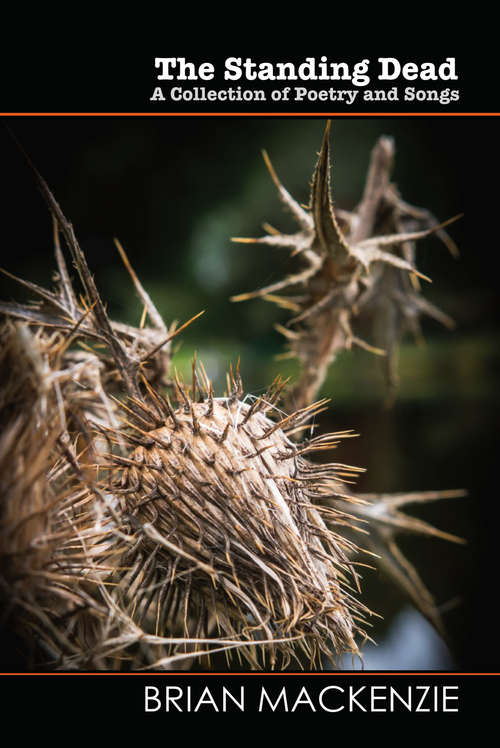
(229, 505)
(356, 264)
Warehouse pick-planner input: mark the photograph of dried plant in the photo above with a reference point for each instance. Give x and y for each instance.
(169, 503)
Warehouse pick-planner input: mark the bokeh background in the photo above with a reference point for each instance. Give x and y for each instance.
(175, 189)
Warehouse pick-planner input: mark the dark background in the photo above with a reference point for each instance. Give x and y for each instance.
(174, 190)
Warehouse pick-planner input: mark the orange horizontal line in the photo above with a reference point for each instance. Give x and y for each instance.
(250, 114)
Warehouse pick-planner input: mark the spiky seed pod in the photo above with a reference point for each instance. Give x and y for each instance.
(355, 264)
(223, 493)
